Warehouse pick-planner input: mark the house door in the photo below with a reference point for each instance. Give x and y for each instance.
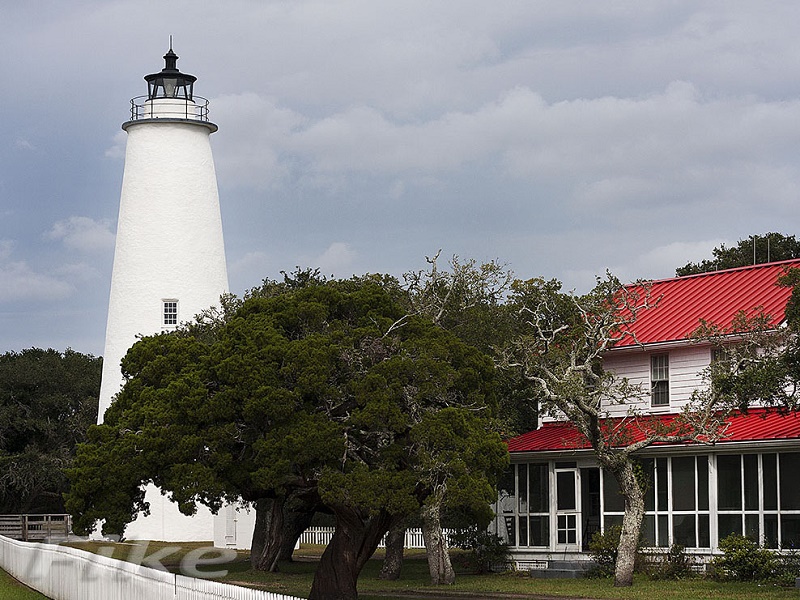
(567, 510)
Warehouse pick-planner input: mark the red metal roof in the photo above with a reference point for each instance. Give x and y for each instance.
(715, 297)
(756, 425)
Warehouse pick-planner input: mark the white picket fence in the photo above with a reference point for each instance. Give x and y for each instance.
(323, 535)
(63, 573)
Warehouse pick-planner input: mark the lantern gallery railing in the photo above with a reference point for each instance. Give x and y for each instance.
(142, 107)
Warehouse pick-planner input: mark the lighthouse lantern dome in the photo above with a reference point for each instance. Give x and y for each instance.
(170, 82)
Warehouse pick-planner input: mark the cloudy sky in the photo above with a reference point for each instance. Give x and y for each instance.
(563, 138)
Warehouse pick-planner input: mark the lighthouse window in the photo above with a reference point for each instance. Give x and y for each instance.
(170, 313)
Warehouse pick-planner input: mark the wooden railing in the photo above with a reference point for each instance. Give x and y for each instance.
(36, 528)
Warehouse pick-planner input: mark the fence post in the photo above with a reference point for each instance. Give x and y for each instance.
(24, 528)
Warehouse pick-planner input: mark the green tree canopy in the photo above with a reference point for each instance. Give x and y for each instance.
(755, 249)
(48, 399)
(326, 388)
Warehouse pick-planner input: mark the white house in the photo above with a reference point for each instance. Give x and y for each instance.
(555, 496)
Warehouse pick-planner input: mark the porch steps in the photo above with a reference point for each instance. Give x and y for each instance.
(563, 569)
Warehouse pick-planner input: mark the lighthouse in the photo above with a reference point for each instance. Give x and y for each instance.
(169, 259)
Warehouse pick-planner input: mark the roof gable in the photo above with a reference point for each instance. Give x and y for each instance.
(715, 297)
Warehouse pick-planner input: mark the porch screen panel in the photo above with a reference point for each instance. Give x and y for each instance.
(613, 502)
(648, 468)
(789, 500)
(506, 503)
(522, 487)
(758, 496)
(771, 531)
(683, 492)
(750, 462)
(677, 508)
(790, 530)
(729, 482)
(662, 491)
(539, 505)
(728, 524)
(649, 531)
(538, 486)
(684, 530)
(524, 505)
(702, 484)
(769, 468)
(790, 482)
(522, 497)
(703, 531)
(522, 530)
(565, 487)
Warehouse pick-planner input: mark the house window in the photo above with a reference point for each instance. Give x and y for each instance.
(524, 505)
(676, 502)
(759, 497)
(170, 313)
(659, 379)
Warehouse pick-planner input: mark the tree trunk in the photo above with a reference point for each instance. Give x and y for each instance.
(395, 545)
(297, 517)
(353, 543)
(267, 535)
(279, 524)
(631, 523)
(439, 564)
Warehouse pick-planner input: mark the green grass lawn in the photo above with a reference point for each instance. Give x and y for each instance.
(295, 579)
(11, 589)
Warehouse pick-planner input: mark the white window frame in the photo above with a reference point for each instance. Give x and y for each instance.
(659, 378)
(169, 320)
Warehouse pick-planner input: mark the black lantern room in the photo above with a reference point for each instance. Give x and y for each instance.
(170, 83)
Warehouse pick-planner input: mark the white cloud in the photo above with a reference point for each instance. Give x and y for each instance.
(562, 137)
(662, 261)
(117, 149)
(83, 234)
(79, 272)
(249, 149)
(609, 153)
(6, 247)
(249, 270)
(19, 282)
(337, 259)
(24, 144)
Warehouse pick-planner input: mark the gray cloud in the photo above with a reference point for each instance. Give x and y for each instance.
(563, 138)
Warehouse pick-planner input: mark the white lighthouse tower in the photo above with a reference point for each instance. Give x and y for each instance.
(169, 259)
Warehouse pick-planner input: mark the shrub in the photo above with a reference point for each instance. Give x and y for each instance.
(674, 564)
(603, 550)
(484, 550)
(787, 567)
(744, 560)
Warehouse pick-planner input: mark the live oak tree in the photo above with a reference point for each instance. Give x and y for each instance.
(466, 298)
(48, 399)
(562, 352)
(325, 392)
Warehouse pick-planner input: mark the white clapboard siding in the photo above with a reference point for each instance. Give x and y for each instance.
(686, 367)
